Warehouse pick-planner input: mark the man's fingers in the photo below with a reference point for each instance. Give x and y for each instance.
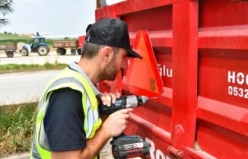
(118, 95)
(103, 99)
(109, 98)
(113, 96)
(106, 99)
(125, 111)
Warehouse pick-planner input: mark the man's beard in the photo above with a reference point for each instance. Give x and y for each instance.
(109, 72)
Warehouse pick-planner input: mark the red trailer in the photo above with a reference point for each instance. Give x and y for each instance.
(195, 59)
(80, 43)
(9, 49)
(74, 45)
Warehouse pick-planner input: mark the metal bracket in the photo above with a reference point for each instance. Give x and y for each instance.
(175, 153)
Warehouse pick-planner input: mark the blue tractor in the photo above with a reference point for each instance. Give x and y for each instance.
(37, 44)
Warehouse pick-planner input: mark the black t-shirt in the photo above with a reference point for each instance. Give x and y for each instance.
(64, 121)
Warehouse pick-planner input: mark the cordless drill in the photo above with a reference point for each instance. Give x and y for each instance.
(126, 146)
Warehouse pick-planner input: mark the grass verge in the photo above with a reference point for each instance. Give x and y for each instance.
(12, 38)
(11, 68)
(16, 128)
(17, 121)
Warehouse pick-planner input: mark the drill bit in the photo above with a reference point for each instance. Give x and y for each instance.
(152, 98)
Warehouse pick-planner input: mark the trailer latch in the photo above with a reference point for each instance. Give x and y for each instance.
(175, 153)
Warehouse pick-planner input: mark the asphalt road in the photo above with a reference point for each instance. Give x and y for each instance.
(34, 58)
(28, 86)
(23, 87)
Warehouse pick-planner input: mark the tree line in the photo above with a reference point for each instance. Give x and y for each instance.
(5, 8)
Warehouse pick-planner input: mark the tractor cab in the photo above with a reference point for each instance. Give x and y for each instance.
(37, 44)
(37, 41)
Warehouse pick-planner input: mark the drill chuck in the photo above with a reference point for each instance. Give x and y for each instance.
(135, 101)
(123, 102)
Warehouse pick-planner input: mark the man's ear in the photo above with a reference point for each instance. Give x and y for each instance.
(107, 53)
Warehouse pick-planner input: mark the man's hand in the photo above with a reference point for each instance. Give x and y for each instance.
(116, 123)
(109, 98)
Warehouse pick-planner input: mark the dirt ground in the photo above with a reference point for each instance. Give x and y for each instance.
(106, 152)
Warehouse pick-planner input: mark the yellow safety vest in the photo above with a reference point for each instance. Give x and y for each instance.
(74, 80)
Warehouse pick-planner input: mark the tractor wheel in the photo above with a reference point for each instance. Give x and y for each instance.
(63, 51)
(73, 51)
(79, 51)
(60, 51)
(10, 53)
(43, 50)
(24, 52)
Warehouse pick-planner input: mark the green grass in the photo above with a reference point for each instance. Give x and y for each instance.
(11, 39)
(17, 121)
(16, 128)
(10, 68)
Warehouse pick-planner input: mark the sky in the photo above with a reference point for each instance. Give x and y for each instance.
(53, 17)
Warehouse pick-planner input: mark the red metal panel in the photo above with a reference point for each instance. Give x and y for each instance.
(137, 6)
(203, 108)
(105, 12)
(152, 120)
(223, 13)
(158, 21)
(223, 75)
(220, 142)
(184, 59)
(228, 37)
(222, 103)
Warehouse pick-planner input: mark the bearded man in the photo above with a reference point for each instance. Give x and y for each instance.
(68, 125)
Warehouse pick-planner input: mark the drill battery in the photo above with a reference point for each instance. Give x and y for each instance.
(126, 146)
(129, 146)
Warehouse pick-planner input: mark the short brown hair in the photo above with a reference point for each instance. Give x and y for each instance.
(90, 50)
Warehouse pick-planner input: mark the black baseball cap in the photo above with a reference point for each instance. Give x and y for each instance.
(111, 32)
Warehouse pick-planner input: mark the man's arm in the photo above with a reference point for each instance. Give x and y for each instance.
(114, 125)
(92, 149)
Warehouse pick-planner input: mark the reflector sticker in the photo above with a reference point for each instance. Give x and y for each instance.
(143, 76)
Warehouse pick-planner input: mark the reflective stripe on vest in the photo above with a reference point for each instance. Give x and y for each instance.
(73, 80)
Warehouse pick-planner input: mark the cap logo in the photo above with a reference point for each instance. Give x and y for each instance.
(88, 39)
